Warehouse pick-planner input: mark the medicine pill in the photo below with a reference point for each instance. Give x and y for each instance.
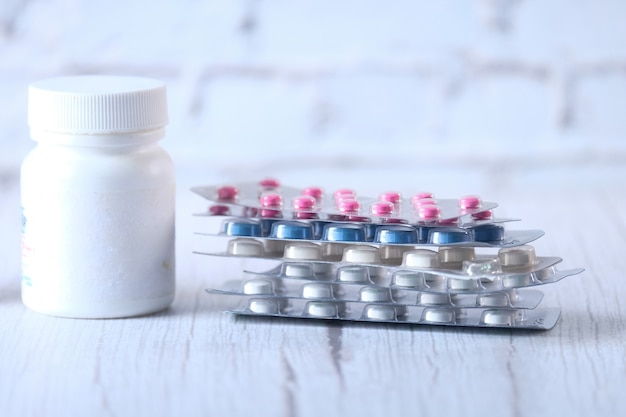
(498, 317)
(417, 203)
(303, 202)
(344, 232)
(456, 254)
(219, 210)
(271, 200)
(321, 309)
(469, 202)
(428, 212)
(379, 312)
(269, 183)
(382, 208)
(361, 254)
(298, 270)
(263, 306)
(227, 192)
(242, 227)
(488, 233)
(374, 294)
(291, 230)
(245, 247)
(317, 291)
(396, 234)
(343, 193)
(516, 280)
(302, 250)
(482, 215)
(447, 236)
(421, 258)
(462, 284)
(258, 287)
(407, 279)
(438, 315)
(499, 299)
(518, 256)
(315, 192)
(348, 206)
(393, 197)
(433, 298)
(355, 274)
(270, 213)
(421, 196)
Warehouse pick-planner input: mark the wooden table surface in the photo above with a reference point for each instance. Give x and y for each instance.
(192, 359)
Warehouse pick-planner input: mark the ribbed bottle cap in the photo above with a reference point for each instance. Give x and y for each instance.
(96, 104)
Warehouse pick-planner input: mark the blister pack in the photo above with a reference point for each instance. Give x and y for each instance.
(484, 234)
(268, 199)
(336, 256)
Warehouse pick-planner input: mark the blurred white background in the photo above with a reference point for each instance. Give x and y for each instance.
(515, 91)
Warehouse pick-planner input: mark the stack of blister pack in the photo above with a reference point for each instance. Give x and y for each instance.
(385, 259)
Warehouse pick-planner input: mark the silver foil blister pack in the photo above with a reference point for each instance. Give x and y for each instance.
(383, 260)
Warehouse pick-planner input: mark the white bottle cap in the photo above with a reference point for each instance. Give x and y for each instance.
(97, 104)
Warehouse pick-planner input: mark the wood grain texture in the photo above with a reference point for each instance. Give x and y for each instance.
(194, 360)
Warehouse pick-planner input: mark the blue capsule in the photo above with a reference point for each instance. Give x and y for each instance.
(396, 234)
(291, 230)
(488, 233)
(447, 236)
(241, 227)
(344, 232)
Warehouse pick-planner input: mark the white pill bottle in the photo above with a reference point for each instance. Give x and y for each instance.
(98, 198)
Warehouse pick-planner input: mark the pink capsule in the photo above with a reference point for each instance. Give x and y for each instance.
(391, 220)
(305, 215)
(303, 202)
(421, 195)
(390, 196)
(219, 210)
(429, 212)
(348, 206)
(424, 202)
(270, 214)
(358, 219)
(382, 208)
(250, 212)
(227, 192)
(315, 192)
(469, 202)
(483, 215)
(269, 183)
(271, 200)
(448, 222)
(344, 193)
